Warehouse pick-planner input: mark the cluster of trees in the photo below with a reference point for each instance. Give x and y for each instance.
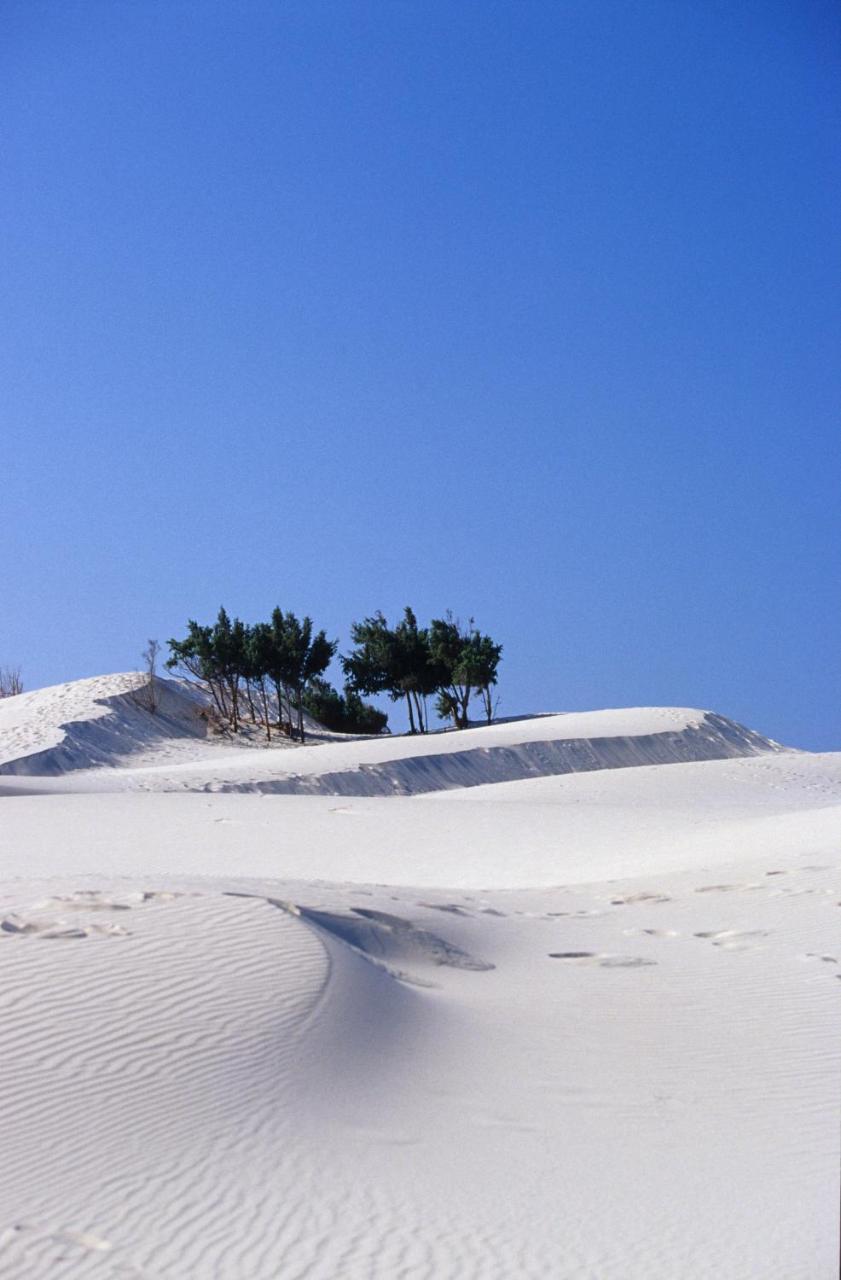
(446, 660)
(273, 672)
(270, 672)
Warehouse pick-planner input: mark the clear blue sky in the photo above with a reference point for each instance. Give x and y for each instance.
(526, 309)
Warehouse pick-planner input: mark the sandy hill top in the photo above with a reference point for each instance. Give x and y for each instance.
(99, 734)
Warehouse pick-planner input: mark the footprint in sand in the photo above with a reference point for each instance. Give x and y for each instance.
(16, 924)
(19, 925)
(94, 900)
(731, 940)
(604, 960)
(87, 931)
(86, 901)
(652, 933)
(727, 888)
(69, 1244)
(799, 893)
(86, 1240)
(632, 898)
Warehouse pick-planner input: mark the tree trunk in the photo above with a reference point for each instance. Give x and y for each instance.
(223, 699)
(214, 693)
(464, 704)
(411, 717)
(419, 710)
(301, 712)
(250, 702)
(234, 688)
(265, 701)
(461, 700)
(283, 705)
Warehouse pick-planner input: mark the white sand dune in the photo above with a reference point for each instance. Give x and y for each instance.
(545, 832)
(105, 721)
(574, 1025)
(68, 730)
(536, 747)
(87, 722)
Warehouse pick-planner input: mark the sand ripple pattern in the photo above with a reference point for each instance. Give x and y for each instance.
(156, 1106)
(162, 1059)
(228, 1091)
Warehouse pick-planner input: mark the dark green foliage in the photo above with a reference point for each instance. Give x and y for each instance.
(393, 661)
(417, 674)
(362, 717)
(296, 656)
(369, 667)
(273, 671)
(228, 641)
(233, 660)
(412, 662)
(342, 714)
(466, 662)
(196, 656)
(259, 653)
(486, 659)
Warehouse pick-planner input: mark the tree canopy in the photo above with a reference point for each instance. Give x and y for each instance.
(267, 666)
(411, 662)
(273, 672)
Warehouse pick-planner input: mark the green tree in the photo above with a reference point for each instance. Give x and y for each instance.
(228, 639)
(362, 717)
(260, 650)
(342, 713)
(395, 661)
(371, 666)
(478, 665)
(195, 656)
(279, 669)
(465, 662)
(415, 673)
(299, 657)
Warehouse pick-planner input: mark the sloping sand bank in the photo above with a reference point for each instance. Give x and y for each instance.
(574, 1026)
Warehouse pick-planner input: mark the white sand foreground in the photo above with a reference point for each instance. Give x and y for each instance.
(582, 1027)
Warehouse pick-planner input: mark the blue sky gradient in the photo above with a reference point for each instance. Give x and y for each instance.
(529, 310)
